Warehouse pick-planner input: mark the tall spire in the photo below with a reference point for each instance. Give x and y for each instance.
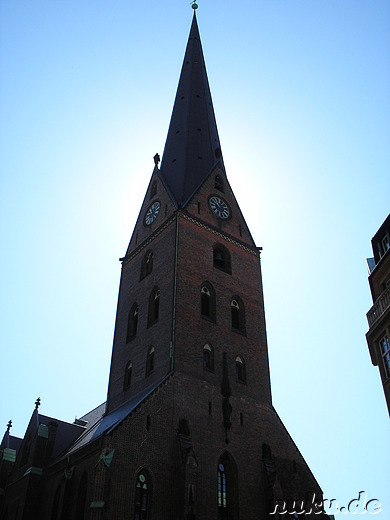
(192, 148)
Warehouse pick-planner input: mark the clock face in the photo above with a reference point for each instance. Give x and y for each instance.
(219, 207)
(152, 212)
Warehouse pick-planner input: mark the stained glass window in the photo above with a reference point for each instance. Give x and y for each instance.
(141, 498)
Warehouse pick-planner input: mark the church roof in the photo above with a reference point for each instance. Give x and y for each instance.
(10, 441)
(66, 433)
(192, 148)
(104, 424)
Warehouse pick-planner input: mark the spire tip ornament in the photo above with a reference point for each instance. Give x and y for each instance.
(194, 5)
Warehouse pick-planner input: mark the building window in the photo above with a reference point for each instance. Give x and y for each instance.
(154, 306)
(240, 370)
(221, 258)
(237, 312)
(385, 243)
(132, 323)
(218, 183)
(227, 479)
(266, 451)
(127, 378)
(385, 353)
(222, 492)
(208, 358)
(142, 497)
(207, 301)
(150, 361)
(153, 190)
(147, 264)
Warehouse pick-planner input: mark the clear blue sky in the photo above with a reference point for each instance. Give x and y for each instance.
(301, 90)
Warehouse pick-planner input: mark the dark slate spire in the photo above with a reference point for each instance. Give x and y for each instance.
(192, 148)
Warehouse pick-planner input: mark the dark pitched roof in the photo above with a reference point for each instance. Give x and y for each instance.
(106, 423)
(66, 433)
(192, 148)
(15, 443)
(94, 415)
(9, 441)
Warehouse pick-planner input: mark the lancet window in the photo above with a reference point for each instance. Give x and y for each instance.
(147, 264)
(237, 312)
(154, 306)
(240, 370)
(132, 323)
(150, 361)
(207, 301)
(142, 496)
(208, 357)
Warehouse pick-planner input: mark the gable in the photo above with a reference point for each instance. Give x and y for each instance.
(217, 187)
(156, 209)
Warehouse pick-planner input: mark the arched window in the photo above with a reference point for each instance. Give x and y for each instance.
(127, 378)
(132, 323)
(142, 496)
(81, 498)
(237, 311)
(207, 301)
(222, 491)
(150, 361)
(266, 451)
(221, 258)
(208, 358)
(154, 306)
(240, 370)
(147, 264)
(153, 189)
(227, 488)
(218, 183)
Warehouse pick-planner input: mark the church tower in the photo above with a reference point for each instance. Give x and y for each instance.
(191, 282)
(188, 430)
(190, 328)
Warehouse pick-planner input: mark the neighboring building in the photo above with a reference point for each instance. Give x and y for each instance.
(378, 336)
(188, 430)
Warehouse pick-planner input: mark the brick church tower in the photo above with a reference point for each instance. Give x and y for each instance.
(188, 430)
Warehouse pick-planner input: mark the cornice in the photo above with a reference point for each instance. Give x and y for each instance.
(148, 241)
(253, 250)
